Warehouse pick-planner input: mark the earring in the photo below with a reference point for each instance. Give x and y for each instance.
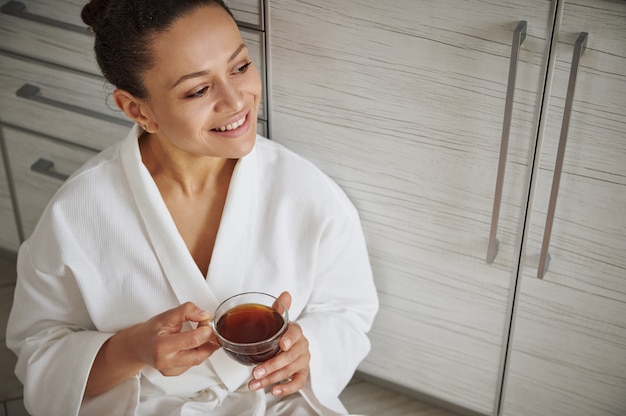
(143, 127)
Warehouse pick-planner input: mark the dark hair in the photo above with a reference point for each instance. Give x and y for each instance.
(124, 30)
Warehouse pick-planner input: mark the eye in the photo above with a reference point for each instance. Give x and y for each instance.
(243, 68)
(198, 93)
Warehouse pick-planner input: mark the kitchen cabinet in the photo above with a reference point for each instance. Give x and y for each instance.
(568, 346)
(404, 106)
(436, 124)
(9, 237)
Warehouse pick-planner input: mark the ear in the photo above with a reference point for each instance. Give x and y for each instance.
(136, 109)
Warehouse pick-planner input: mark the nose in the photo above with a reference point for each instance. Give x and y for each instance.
(229, 96)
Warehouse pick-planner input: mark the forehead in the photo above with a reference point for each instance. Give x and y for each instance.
(206, 36)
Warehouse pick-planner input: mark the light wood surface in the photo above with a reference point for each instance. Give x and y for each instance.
(9, 238)
(403, 105)
(569, 339)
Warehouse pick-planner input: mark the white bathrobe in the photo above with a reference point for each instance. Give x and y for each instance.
(106, 255)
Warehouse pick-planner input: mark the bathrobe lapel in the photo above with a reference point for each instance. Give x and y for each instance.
(176, 261)
(232, 246)
(231, 253)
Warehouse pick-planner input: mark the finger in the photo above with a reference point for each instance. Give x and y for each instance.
(175, 317)
(186, 359)
(293, 344)
(291, 336)
(282, 367)
(285, 298)
(193, 313)
(195, 338)
(291, 385)
(186, 349)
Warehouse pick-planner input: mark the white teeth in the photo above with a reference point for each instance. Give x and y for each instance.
(233, 125)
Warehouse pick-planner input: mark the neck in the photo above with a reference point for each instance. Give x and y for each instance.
(175, 169)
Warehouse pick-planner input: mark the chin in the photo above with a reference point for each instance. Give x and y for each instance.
(241, 148)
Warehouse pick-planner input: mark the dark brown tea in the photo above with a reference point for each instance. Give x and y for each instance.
(249, 323)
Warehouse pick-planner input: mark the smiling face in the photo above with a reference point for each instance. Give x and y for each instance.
(203, 89)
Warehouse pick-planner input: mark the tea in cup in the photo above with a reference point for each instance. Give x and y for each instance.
(249, 326)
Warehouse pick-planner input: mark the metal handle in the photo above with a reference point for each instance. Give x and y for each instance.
(18, 9)
(544, 259)
(518, 38)
(31, 92)
(44, 167)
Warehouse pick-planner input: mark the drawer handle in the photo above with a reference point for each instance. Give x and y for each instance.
(544, 259)
(518, 38)
(18, 9)
(31, 92)
(44, 167)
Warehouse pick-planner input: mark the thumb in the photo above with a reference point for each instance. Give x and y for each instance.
(285, 298)
(188, 311)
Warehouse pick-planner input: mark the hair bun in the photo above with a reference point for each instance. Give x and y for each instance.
(93, 13)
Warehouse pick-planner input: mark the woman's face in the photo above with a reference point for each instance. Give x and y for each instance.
(203, 88)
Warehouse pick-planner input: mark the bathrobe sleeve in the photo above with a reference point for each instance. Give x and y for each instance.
(55, 348)
(315, 248)
(58, 290)
(340, 310)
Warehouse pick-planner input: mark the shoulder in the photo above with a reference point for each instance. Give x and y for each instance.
(99, 172)
(89, 190)
(299, 178)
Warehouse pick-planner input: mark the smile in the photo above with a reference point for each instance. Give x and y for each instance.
(231, 126)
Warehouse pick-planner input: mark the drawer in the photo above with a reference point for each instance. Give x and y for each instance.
(67, 12)
(67, 105)
(48, 39)
(9, 237)
(247, 12)
(53, 31)
(61, 12)
(34, 178)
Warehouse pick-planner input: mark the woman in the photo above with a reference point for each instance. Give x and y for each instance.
(191, 208)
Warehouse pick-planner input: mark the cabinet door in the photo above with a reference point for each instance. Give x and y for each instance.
(9, 238)
(568, 353)
(248, 13)
(402, 103)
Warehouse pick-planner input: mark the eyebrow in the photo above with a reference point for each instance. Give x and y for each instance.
(206, 72)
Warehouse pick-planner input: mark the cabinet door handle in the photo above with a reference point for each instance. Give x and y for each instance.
(544, 259)
(518, 38)
(44, 167)
(31, 92)
(18, 9)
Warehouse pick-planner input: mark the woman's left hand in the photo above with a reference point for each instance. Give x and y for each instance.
(289, 370)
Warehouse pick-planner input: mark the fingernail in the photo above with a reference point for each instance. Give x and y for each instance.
(202, 312)
(259, 372)
(277, 391)
(287, 343)
(255, 385)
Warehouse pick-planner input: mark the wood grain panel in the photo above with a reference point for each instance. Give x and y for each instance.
(9, 238)
(403, 106)
(569, 339)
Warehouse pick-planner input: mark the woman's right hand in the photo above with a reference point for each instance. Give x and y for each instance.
(159, 342)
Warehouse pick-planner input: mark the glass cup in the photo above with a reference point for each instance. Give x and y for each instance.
(249, 326)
